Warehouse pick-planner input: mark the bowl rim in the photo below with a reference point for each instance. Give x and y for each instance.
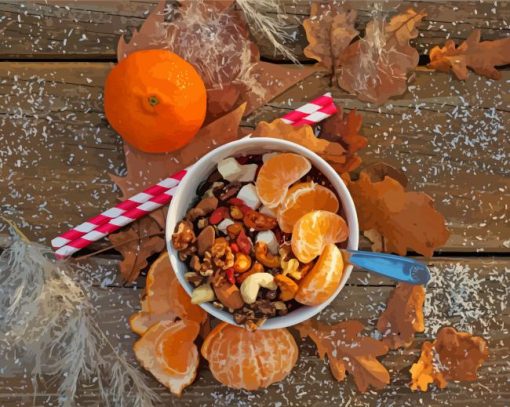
(304, 312)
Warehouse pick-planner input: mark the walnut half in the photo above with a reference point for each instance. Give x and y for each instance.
(183, 236)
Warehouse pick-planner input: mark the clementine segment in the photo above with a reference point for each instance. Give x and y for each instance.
(155, 100)
(248, 360)
(277, 174)
(313, 231)
(165, 299)
(303, 198)
(168, 352)
(321, 283)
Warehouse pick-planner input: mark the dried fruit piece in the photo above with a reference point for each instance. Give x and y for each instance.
(348, 351)
(313, 231)
(248, 360)
(302, 198)
(218, 215)
(288, 288)
(277, 174)
(263, 255)
(242, 263)
(165, 299)
(405, 219)
(168, 352)
(481, 57)
(323, 280)
(452, 356)
(403, 316)
(243, 242)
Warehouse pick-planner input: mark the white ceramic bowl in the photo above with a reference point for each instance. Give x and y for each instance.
(201, 170)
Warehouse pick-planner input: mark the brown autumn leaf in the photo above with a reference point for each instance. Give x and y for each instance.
(145, 169)
(348, 351)
(481, 57)
(332, 152)
(452, 356)
(329, 30)
(345, 130)
(406, 220)
(137, 242)
(403, 316)
(376, 67)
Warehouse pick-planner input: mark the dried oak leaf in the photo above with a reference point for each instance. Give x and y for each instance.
(329, 30)
(403, 316)
(332, 152)
(348, 351)
(145, 169)
(376, 67)
(137, 242)
(344, 129)
(452, 356)
(406, 220)
(481, 57)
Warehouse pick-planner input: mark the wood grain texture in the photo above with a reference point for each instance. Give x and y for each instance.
(310, 383)
(90, 29)
(449, 136)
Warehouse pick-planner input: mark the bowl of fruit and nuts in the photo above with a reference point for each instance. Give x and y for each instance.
(254, 232)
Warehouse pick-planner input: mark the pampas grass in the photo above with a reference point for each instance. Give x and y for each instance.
(48, 323)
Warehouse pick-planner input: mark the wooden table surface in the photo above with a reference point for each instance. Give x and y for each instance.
(450, 137)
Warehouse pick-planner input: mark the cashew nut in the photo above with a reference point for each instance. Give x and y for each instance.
(203, 293)
(264, 257)
(250, 287)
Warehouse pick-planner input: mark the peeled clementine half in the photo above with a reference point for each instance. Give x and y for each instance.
(323, 280)
(155, 100)
(167, 350)
(313, 231)
(248, 360)
(303, 198)
(277, 174)
(165, 299)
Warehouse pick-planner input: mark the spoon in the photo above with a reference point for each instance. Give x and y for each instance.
(388, 265)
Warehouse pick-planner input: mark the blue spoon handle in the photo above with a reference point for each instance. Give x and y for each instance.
(388, 265)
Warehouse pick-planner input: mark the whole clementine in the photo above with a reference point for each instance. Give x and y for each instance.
(155, 100)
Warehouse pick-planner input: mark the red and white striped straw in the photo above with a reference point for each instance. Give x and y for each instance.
(161, 194)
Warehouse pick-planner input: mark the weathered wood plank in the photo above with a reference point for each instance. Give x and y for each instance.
(90, 29)
(449, 136)
(478, 283)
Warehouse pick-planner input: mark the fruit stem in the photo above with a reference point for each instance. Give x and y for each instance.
(153, 100)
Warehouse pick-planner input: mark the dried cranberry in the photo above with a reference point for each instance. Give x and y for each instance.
(218, 215)
(230, 275)
(234, 247)
(243, 242)
(236, 201)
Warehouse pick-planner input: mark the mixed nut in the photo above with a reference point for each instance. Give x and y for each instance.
(237, 256)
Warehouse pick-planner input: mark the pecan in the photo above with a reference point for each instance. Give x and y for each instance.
(205, 239)
(228, 191)
(264, 307)
(183, 236)
(243, 315)
(221, 253)
(258, 221)
(185, 253)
